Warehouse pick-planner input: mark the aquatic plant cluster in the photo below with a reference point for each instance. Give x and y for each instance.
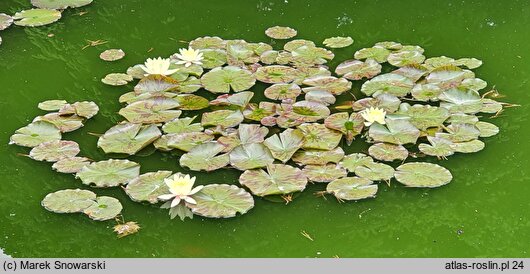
(420, 107)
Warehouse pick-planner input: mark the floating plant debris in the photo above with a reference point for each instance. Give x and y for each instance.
(112, 55)
(291, 134)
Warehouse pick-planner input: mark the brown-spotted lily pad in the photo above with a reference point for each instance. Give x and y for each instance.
(390, 83)
(59, 4)
(182, 125)
(352, 188)
(318, 136)
(355, 160)
(350, 125)
(338, 42)
(282, 146)
(323, 97)
(250, 156)
(332, 84)
(282, 91)
(222, 80)
(54, 151)
(388, 152)
(147, 187)
(117, 79)
(187, 141)
(109, 173)
(156, 84)
(150, 111)
(104, 208)
(318, 157)
(240, 99)
(205, 157)
(36, 17)
(276, 74)
(112, 55)
(221, 201)
(52, 105)
(438, 147)
(191, 102)
(70, 165)
(375, 171)
(128, 138)
(357, 70)
(280, 33)
(278, 179)
(424, 116)
(224, 118)
(324, 173)
(396, 131)
(65, 123)
(379, 54)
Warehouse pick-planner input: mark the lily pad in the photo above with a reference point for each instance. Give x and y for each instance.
(349, 125)
(204, 157)
(487, 129)
(147, 187)
(69, 200)
(338, 42)
(461, 101)
(323, 97)
(470, 63)
(117, 79)
(282, 146)
(156, 84)
(241, 99)
(191, 102)
(52, 105)
(150, 111)
(128, 138)
(375, 171)
(109, 173)
(446, 77)
(104, 208)
(424, 116)
(70, 165)
(422, 175)
(460, 133)
(5, 21)
(438, 147)
(278, 179)
(357, 70)
(413, 72)
(224, 118)
(309, 56)
(318, 157)
(222, 201)
(310, 111)
(83, 109)
(35, 133)
(36, 17)
(336, 86)
(490, 106)
(208, 42)
(318, 136)
(405, 58)
(426, 92)
(390, 83)
(189, 140)
(222, 80)
(276, 74)
(252, 133)
(352, 188)
(182, 125)
(282, 91)
(213, 58)
(65, 123)
(324, 173)
(112, 55)
(469, 146)
(396, 131)
(280, 33)
(355, 160)
(250, 156)
(379, 54)
(59, 4)
(388, 152)
(54, 151)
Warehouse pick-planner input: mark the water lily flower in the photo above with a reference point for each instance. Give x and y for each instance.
(157, 66)
(181, 189)
(372, 115)
(189, 56)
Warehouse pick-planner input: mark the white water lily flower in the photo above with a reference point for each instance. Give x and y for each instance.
(157, 66)
(181, 189)
(189, 56)
(372, 115)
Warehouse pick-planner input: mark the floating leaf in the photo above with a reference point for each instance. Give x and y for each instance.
(62, 122)
(379, 54)
(460, 133)
(84, 109)
(269, 57)
(278, 179)
(413, 72)
(446, 77)
(147, 187)
(318, 136)
(109, 173)
(35, 133)
(221, 80)
(424, 116)
(150, 111)
(224, 118)
(318, 157)
(355, 160)
(252, 133)
(156, 84)
(422, 175)
(204, 157)
(349, 125)
(222, 201)
(324, 173)
(338, 42)
(250, 156)
(470, 63)
(112, 55)
(390, 83)
(5, 21)
(310, 72)
(320, 96)
(278, 32)
(308, 56)
(461, 118)
(332, 84)
(52, 105)
(490, 106)
(352, 188)
(213, 58)
(426, 92)
(356, 70)
(396, 131)
(276, 74)
(54, 151)
(461, 101)
(104, 208)
(474, 84)
(438, 147)
(70, 165)
(487, 129)
(59, 4)
(284, 145)
(405, 58)
(388, 152)
(117, 79)
(310, 111)
(469, 146)
(191, 102)
(36, 17)
(208, 42)
(241, 99)
(436, 62)
(189, 140)
(128, 138)
(69, 200)
(282, 91)
(375, 171)
(182, 125)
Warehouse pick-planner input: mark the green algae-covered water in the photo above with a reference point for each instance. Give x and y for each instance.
(483, 212)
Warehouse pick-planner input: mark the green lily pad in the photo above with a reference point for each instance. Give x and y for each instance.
(112, 55)
(318, 136)
(278, 179)
(35, 133)
(191, 102)
(104, 208)
(336, 86)
(182, 125)
(461, 118)
(388, 152)
(63, 122)
(446, 77)
(5, 21)
(487, 129)
(388, 102)
(424, 116)
(349, 125)
(379, 54)
(229, 142)
(83, 109)
(470, 63)
(208, 42)
(282, 91)
(460, 133)
(240, 99)
(109, 173)
(224, 117)
(59, 4)
(310, 111)
(128, 138)
(147, 187)
(156, 84)
(441, 61)
(375, 171)
(222, 80)
(414, 72)
(296, 43)
(269, 57)
(438, 147)
(318, 157)
(474, 84)
(240, 52)
(422, 175)
(117, 79)
(469, 146)
(70, 165)
(389, 45)
(189, 140)
(338, 42)
(390, 83)
(150, 111)
(357, 70)
(310, 72)
(205, 157)
(405, 58)
(352, 188)
(309, 56)
(324, 173)
(396, 131)
(275, 74)
(221, 201)
(323, 97)
(280, 33)
(213, 58)
(353, 161)
(250, 156)
(282, 146)
(490, 106)
(136, 72)
(461, 101)
(426, 92)
(69, 200)
(36, 17)
(54, 151)
(52, 105)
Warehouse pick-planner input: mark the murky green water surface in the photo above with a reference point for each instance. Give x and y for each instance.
(483, 212)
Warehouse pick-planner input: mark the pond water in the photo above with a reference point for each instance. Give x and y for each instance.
(484, 211)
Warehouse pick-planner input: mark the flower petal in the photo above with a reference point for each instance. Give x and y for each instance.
(175, 202)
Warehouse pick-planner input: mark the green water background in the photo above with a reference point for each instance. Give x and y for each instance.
(483, 212)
